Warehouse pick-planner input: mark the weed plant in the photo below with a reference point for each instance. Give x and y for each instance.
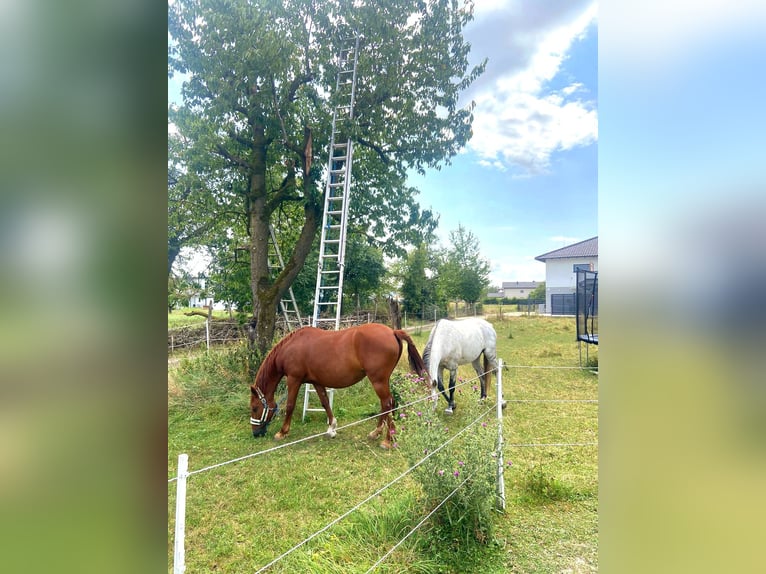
(468, 459)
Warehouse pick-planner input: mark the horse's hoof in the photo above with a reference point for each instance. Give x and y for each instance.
(385, 445)
(331, 433)
(331, 429)
(279, 436)
(448, 410)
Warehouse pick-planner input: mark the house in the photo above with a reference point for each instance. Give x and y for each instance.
(518, 289)
(561, 266)
(199, 298)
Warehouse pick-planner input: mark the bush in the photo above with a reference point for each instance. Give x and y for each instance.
(466, 517)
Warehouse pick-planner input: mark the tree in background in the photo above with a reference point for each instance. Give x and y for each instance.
(364, 270)
(420, 281)
(257, 114)
(538, 293)
(464, 273)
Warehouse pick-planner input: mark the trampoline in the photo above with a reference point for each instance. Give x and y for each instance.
(586, 310)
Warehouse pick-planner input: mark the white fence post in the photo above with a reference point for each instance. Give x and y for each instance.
(500, 480)
(178, 548)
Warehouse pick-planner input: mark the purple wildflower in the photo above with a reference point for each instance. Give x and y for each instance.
(460, 463)
(441, 472)
(456, 473)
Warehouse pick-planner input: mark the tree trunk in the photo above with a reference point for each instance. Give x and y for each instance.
(173, 250)
(267, 292)
(395, 312)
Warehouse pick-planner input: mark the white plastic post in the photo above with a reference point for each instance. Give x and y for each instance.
(178, 549)
(207, 333)
(500, 480)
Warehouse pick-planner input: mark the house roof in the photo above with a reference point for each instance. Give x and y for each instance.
(519, 284)
(586, 248)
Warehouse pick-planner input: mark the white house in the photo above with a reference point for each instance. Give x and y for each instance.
(560, 274)
(197, 300)
(520, 289)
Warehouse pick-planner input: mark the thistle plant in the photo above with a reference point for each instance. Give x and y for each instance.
(422, 433)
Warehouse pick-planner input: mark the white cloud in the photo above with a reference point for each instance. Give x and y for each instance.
(518, 120)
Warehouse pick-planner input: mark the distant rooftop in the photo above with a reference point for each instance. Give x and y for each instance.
(586, 248)
(519, 284)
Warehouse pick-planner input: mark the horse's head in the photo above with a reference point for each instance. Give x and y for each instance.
(260, 412)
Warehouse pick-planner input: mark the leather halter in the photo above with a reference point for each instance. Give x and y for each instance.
(265, 414)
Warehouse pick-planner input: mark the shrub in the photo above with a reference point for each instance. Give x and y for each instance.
(467, 515)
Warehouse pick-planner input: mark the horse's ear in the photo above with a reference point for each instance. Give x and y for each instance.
(252, 389)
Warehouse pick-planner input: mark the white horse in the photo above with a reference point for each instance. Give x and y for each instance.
(458, 342)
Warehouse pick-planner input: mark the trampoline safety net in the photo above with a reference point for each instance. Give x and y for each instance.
(587, 306)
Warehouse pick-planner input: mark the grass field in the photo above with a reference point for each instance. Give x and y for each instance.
(243, 515)
(178, 318)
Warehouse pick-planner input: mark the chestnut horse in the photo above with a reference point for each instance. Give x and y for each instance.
(331, 359)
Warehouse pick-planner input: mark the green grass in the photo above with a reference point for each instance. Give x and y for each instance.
(243, 515)
(178, 319)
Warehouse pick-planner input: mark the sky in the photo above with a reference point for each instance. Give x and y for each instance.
(527, 181)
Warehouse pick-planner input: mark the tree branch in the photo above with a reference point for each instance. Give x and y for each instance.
(222, 151)
(376, 148)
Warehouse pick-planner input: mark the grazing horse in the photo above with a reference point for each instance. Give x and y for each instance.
(331, 359)
(457, 342)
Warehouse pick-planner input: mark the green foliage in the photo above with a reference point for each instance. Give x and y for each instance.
(466, 516)
(538, 293)
(363, 272)
(416, 288)
(254, 128)
(464, 273)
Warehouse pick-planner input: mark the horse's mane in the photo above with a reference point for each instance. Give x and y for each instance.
(268, 368)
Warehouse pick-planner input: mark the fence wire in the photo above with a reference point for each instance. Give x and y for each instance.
(412, 468)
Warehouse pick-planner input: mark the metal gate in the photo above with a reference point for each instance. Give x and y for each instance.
(563, 304)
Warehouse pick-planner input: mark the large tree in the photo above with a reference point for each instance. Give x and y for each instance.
(257, 104)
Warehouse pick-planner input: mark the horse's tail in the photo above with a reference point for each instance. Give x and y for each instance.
(416, 361)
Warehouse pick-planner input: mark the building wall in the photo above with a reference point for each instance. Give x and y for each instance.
(520, 293)
(560, 277)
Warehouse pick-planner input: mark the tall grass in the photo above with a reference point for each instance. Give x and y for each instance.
(243, 515)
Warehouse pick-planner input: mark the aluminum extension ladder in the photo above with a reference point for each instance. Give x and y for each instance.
(332, 247)
(287, 304)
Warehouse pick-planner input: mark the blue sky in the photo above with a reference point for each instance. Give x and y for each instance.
(527, 181)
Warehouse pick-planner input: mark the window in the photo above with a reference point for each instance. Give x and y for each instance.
(582, 267)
